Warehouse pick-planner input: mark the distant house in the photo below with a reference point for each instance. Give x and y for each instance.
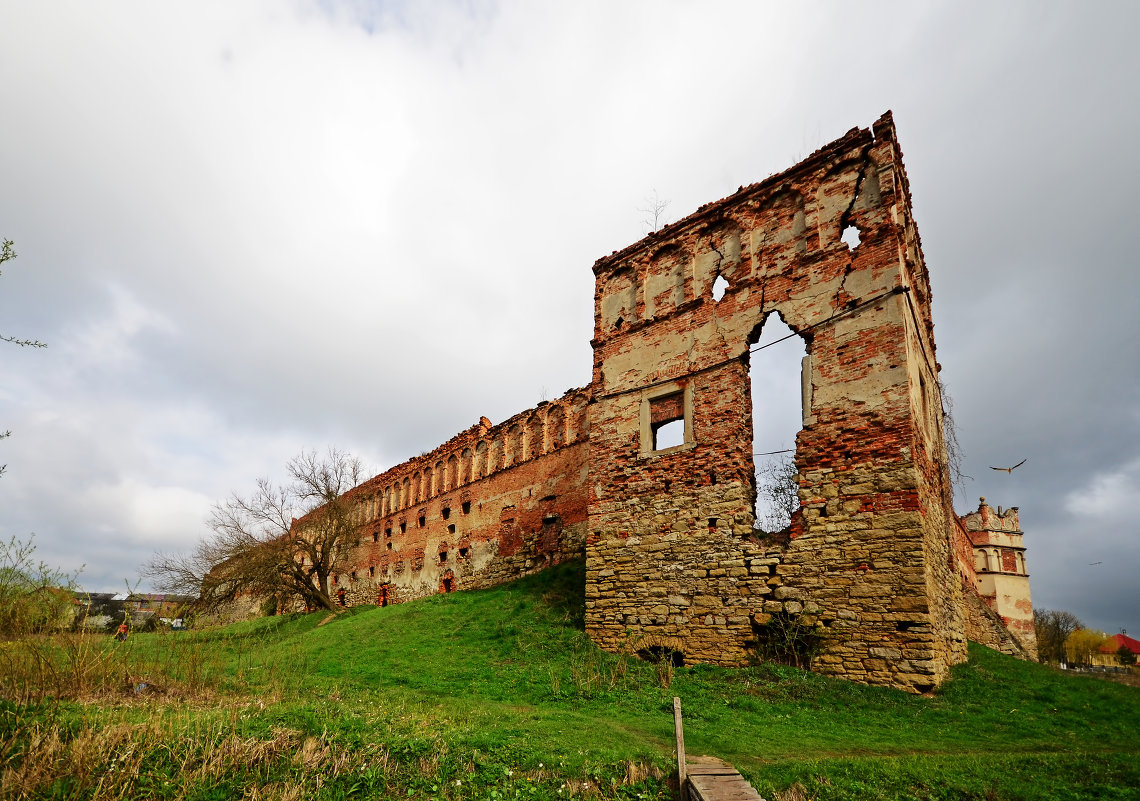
(142, 606)
(1109, 654)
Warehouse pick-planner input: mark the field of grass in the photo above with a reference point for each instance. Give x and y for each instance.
(498, 694)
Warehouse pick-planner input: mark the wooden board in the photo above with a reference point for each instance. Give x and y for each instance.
(712, 779)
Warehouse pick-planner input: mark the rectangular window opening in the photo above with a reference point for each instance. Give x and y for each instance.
(667, 420)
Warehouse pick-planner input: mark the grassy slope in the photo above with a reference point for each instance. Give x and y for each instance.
(493, 688)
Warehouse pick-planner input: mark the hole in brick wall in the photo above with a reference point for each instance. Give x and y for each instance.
(780, 395)
(463, 553)
(548, 498)
(550, 520)
(371, 571)
(356, 542)
(403, 527)
(376, 536)
(388, 532)
(618, 323)
(336, 579)
(442, 556)
(446, 512)
(719, 287)
(466, 507)
(712, 478)
(712, 522)
(422, 521)
(352, 576)
(389, 546)
(451, 529)
(668, 484)
(662, 653)
(448, 584)
(850, 237)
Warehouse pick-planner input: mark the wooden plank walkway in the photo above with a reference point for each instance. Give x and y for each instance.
(712, 779)
(707, 778)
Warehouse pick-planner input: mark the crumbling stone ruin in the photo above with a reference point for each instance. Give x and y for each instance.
(875, 566)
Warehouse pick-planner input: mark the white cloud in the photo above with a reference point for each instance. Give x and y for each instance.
(1109, 495)
(248, 228)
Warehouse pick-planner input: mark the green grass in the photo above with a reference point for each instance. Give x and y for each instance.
(499, 694)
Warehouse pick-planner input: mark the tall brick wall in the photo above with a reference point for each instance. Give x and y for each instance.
(673, 559)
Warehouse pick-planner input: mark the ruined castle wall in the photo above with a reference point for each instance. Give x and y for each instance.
(672, 557)
(490, 505)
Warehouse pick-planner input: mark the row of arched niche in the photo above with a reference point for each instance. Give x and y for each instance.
(779, 228)
(544, 430)
(989, 560)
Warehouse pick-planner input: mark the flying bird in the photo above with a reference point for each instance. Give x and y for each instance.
(1095, 563)
(1010, 469)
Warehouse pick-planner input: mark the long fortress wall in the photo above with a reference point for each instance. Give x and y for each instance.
(491, 504)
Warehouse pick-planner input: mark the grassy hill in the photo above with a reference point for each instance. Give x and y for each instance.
(499, 694)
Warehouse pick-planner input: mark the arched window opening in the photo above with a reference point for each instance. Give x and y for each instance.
(452, 473)
(515, 444)
(780, 391)
(480, 470)
(466, 466)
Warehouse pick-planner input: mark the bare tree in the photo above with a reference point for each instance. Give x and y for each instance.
(1052, 628)
(777, 494)
(654, 211)
(7, 254)
(284, 540)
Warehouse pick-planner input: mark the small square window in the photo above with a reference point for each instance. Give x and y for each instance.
(467, 507)
(446, 512)
(403, 527)
(442, 556)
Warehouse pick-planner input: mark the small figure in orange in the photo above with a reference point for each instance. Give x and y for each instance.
(121, 634)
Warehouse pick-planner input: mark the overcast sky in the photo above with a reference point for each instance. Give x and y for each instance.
(246, 229)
